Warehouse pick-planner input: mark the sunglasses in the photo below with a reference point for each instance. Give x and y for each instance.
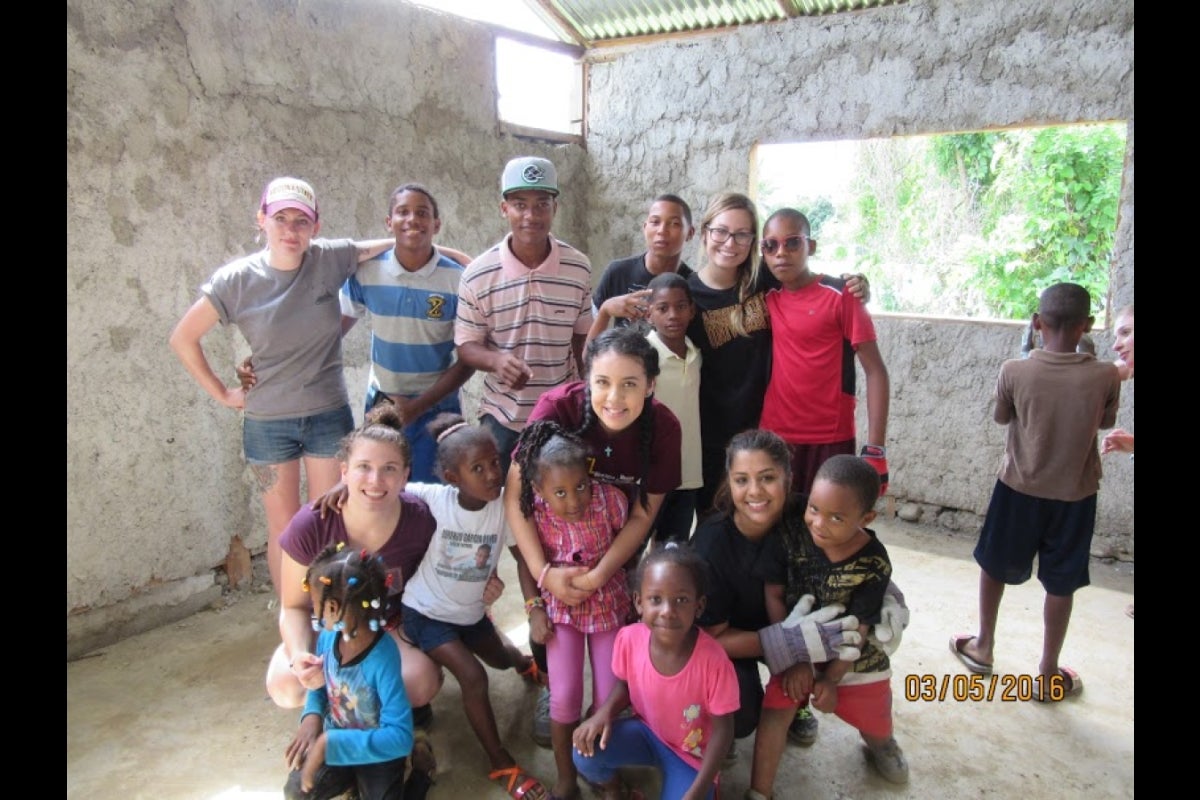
(791, 244)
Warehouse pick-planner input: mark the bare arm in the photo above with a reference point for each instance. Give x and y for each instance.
(629, 306)
(776, 607)
(578, 341)
(859, 286)
(505, 366)
(185, 341)
(714, 754)
(878, 392)
(295, 626)
(372, 247)
(449, 381)
(1117, 440)
(600, 322)
(456, 255)
(736, 642)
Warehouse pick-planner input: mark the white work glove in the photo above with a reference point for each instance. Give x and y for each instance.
(810, 636)
(893, 620)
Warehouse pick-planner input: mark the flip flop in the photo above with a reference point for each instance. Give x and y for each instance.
(519, 784)
(1072, 686)
(956, 646)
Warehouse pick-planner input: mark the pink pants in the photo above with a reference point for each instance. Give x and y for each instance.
(564, 658)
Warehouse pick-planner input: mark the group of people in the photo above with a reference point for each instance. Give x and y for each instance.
(680, 490)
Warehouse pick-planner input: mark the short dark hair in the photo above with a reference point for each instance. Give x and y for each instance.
(413, 187)
(795, 216)
(855, 474)
(677, 200)
(1064, 305)
(669, 280)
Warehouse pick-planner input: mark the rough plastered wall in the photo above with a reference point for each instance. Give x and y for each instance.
(683, 115)
(178, 113)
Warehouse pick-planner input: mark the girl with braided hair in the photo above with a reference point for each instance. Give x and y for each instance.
(356, 729)
(576, 519)
(633, 442)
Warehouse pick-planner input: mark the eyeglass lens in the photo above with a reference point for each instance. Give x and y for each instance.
(791, 244)
(721, 235)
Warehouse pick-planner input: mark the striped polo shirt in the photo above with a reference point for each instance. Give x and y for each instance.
(412, 319)
(532, 313)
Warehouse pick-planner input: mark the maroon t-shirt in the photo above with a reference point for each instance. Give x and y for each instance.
(307, 535)
(617, 457)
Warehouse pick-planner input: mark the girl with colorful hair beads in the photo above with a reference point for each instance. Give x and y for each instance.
(356, 730)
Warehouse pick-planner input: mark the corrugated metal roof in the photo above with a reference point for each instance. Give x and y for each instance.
(592, 22)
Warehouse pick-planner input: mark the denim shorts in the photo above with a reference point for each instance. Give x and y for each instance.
(277, 441)
(429, 634)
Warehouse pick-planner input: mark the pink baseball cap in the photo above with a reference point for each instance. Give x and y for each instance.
(294, 193)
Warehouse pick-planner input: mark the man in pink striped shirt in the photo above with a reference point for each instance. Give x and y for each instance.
(525, 305)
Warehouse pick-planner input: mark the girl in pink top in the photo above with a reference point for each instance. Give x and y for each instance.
(679, 681)
(577, 520)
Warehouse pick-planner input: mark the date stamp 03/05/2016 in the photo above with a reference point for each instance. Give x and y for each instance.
(960, 688)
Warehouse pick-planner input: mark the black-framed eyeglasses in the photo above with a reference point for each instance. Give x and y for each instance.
(789, 243)
(722, 235)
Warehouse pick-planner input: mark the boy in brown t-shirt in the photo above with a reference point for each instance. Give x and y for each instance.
(1044, 502)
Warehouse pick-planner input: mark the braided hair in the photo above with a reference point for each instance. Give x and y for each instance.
(353, 584)
(544, 444)
(631, 344)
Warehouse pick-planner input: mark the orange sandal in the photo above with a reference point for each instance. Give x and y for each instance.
(532, 674)
(519, 784)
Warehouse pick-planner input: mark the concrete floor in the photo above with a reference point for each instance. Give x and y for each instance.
(180, 713)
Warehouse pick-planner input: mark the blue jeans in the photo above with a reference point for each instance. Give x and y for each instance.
(278, 441)
(631, 743)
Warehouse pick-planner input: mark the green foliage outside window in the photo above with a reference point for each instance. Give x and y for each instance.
(969, 224)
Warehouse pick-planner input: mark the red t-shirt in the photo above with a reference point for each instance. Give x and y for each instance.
(815, 331)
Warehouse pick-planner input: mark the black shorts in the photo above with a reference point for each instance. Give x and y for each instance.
(1019, 526)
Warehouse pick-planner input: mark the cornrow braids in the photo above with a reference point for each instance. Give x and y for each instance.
(588, 421)
(545, 443)
(355, 583)
(646, 424)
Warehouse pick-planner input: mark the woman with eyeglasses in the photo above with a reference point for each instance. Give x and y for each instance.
(732, 328)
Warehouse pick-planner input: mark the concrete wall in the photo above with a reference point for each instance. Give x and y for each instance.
(683, 115)
(179, 112)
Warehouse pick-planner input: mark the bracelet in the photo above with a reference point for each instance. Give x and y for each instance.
(532, 603)
(542, 577)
